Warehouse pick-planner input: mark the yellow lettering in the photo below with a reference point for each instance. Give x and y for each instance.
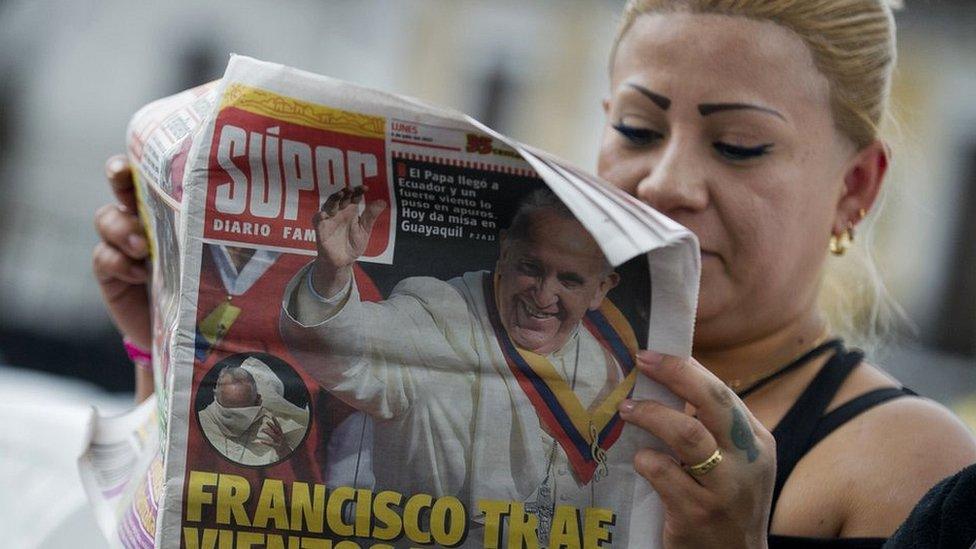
(316, 543)
(232, 493)
(521, 528)
(275, 541)
(566, 528)
(448, 521)
(226, 540)
(411, 518)
(306, 507)
(247, 540)
(364, 515)
(595, 527)
(191, 537)
(392, 526)
(335, 508)
(494, 512)
(196, 496)
(272, 506)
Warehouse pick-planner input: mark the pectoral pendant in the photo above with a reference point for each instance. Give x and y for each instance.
(598, 454)
(543, 507)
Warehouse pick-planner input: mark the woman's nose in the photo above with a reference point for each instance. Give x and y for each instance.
(675, 180)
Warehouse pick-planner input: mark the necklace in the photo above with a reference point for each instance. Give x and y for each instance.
(756, 382)
(544, 504)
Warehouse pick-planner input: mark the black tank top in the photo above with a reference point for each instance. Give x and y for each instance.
(805, 425)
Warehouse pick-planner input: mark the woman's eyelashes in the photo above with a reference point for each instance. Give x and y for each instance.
(738, 153)
(638, 136)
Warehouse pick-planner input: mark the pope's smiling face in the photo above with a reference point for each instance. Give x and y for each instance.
(548, 280)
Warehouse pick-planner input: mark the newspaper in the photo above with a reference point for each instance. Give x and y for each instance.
(122, 472)
(379, 323)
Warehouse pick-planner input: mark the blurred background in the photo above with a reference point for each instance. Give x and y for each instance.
(72, 72)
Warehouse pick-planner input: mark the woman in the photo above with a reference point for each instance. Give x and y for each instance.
(754, 124)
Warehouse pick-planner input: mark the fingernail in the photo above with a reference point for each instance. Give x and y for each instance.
(650, 358)
(115, 164)
(627, 406)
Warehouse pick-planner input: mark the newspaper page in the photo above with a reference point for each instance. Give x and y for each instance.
(378, 323)
(122, 472)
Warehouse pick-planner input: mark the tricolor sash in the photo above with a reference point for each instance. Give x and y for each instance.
(585, 435)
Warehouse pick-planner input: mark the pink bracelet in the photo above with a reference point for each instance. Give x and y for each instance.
(139, 356)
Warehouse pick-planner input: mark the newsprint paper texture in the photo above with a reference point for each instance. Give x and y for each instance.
(378, 323)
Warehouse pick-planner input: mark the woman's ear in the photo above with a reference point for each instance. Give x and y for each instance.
(862, 183)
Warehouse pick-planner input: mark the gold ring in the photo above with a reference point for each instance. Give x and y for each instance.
(704, 467)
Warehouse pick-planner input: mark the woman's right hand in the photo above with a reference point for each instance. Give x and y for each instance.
(119, 259)
(727, 506)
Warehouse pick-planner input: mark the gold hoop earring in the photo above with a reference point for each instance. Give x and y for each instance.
(840, 243)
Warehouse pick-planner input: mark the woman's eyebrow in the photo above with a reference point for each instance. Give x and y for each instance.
(711, 108)
(663, 102)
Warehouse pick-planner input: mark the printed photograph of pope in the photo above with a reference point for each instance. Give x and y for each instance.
(249, 421)
(499, 384)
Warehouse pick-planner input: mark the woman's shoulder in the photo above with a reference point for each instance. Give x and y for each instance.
(915, 417)
(893, 453)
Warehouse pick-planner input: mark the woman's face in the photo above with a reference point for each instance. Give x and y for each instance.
(724, 124)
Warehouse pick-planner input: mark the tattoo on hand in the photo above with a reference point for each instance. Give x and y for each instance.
(742, 435)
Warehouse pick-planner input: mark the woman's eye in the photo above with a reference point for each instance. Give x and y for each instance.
(637, 136)
(735, 152)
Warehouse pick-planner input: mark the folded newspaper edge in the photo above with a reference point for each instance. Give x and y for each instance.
(120, 451)
(623, 227)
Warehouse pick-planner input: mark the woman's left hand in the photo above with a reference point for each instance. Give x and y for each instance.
(729, 505)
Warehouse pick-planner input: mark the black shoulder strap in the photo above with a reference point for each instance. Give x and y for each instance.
(795, 431)
(853, 408)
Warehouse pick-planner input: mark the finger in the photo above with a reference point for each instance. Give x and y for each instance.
(357, 194)
(276, 436)
(329, 208)
(345, 199)
(678, 491)
(685, 435)
(688, 379)
(119, 175)
(372, 213)
(111, 264)
(122, 229)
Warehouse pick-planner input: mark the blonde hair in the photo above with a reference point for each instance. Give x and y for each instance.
(852, 43)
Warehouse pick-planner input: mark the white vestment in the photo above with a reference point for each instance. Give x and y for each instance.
(246, 447)
(451, 418)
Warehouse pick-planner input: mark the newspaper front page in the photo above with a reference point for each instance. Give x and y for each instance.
(378, 323)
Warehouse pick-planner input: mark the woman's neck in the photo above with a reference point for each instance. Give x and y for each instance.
(752, 358)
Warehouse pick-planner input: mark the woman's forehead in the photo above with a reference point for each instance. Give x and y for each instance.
(718, 58)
